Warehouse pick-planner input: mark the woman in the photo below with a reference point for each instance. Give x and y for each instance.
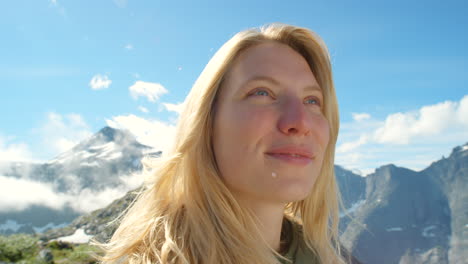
(250, 177)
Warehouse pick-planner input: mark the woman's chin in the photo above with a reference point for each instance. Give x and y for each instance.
(288, 195)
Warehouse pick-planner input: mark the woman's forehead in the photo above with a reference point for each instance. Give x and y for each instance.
(272, 61)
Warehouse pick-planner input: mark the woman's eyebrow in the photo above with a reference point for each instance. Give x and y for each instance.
(261, 78)
(314, 87)
(309, 88)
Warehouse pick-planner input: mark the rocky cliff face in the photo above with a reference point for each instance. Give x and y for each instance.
(413, 217)
(99, 224)
(451, 174)
(352, 187)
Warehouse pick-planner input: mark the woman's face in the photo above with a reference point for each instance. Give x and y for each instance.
(270, 133)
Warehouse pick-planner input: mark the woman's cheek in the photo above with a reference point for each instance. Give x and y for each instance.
(324, 131)
(256, 120)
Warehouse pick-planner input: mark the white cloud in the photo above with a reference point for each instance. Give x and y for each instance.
(88, 200)
(129, 47)
(60, 9)
(14, 151)
(120, 3)
(152, 91)
(429, 121)
(349, 146)
(18, 194)
(154, 133)
(462, 113)
(411, 139)
(100, 82)
(143, 109)
(174, 107)
(360, 116)
(62, 132)
(57, 134)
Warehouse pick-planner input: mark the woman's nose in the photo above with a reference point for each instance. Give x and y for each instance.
(294, 119)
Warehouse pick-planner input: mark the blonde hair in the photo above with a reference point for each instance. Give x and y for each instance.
(186, 214)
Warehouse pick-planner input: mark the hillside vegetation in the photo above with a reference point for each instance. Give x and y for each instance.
(29, 249)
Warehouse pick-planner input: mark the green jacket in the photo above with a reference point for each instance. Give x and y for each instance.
(298, 252)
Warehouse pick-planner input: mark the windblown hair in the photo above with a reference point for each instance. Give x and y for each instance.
(186, 214)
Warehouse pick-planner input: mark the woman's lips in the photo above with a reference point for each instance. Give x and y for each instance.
(292, 155)
(296, 160)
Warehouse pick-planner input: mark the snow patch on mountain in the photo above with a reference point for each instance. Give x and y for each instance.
(110, 156)
(109, 146)
(353, 207)
(426, 231)
(393, 229)
(79, 237)
(107, 151)
(90, 164)
(84, 154)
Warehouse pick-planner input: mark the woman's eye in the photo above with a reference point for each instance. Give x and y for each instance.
(261, 93)
(313, 101)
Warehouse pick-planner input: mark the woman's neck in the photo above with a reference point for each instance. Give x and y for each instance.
(270, 216)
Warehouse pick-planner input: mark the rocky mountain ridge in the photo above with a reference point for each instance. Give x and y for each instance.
(413, 217)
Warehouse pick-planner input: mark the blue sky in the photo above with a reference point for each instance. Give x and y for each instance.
(400, 68)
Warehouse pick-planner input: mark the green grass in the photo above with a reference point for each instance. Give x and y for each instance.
(79, 254)
(15, 248)
(24, 249)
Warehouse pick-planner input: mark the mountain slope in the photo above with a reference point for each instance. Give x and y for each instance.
(90, 175)
(452, 175)
(99, 224)
(413, 217)
(404, 214)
